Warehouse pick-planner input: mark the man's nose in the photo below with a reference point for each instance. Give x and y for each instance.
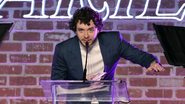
(86, 35)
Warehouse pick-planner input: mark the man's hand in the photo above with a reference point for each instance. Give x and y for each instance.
(154, 66)
(96, 77)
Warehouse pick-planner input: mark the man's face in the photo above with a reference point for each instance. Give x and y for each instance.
(86, 33)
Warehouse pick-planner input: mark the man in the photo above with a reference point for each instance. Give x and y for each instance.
(105, 49)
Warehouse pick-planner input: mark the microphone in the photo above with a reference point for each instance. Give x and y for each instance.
(85, 68)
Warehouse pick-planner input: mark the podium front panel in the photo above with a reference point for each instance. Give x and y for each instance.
(88, 91)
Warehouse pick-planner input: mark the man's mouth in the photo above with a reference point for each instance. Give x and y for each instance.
(89, 41)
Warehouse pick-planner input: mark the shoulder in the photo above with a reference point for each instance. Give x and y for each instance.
(67, 43)
(109, 33)
(110, 36)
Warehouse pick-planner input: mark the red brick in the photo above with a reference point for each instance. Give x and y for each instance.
(37, 69)
(42, 101)
(10, 92)
(38, 4)
(62, 12)
(172, 101)
(3, 58)
(180, 3)
(99, 3)
(145, 38)
(171, 82)
(151, 12)
(5, 14)
(126, 36)
(10, 69)
(25, 12)
(23, 101)
(45, 58)
(139, 46)
(39, 25)
(130, 26)
(49, 102)
(120, 13)
(36, 47)
(180, 93)
(152, 4)
(158, 93)
(147, 82)
(162, 73)
(180, 71)
(20, 80)
(124, 3)
(6, 37)
(44, 78)
(63, 25)
(138, 4)
(33, 92)
(163, 60)
(122, 61)
(56, 36)
(19, 13)
(3, 81)
(11, 47)
(129, 71)
(144, 102)
(13, 4)
(150, 25)
(154, 48)
(166, 4)
(184, 82)
(135, 93)
(51, 12)
(26, 36)
(107, 25)
(25, 58)
(49, 3)
(65, 4)
(3, 101)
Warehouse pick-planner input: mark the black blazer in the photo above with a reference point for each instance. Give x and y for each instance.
(67, 62)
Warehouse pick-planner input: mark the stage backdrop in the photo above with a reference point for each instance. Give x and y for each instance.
(26, 52)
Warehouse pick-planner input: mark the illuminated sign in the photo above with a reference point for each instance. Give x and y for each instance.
(105, 8)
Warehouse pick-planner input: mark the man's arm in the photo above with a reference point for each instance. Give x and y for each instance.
(140, 57)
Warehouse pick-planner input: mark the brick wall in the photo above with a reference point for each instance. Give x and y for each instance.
(26, 52)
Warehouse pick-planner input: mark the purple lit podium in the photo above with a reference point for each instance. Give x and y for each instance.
(88, 91)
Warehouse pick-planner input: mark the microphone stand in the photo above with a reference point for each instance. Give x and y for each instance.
(85, 68)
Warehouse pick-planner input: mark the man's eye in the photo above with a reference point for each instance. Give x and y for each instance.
(91, 30)
(80, 30)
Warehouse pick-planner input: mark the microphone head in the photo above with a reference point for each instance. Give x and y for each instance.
(87, 44)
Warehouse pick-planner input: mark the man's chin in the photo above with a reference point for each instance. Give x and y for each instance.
(89, 43)
(84, 43)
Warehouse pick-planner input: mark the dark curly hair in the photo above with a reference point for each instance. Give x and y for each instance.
(85, 14)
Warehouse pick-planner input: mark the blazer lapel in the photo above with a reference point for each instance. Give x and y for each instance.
(105, 53)
(77, 60)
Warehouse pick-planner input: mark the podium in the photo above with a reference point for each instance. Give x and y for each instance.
(88, 92)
